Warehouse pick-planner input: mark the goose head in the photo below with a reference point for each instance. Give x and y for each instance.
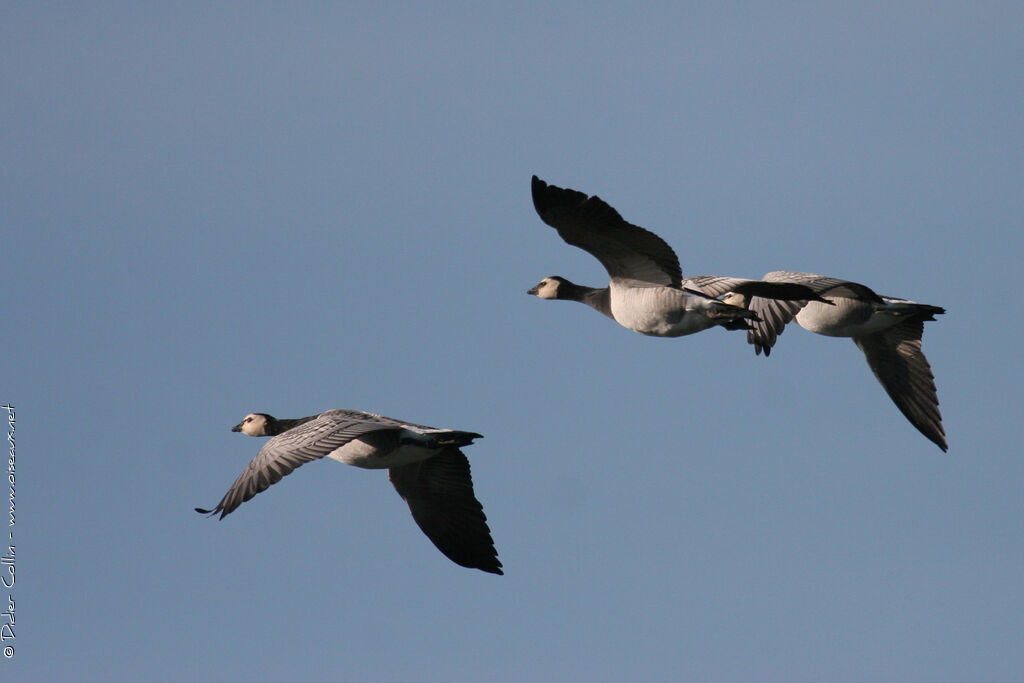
(734, 299)
(553, 287)
(254, 424)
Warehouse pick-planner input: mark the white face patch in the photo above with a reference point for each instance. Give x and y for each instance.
(734, 299)
(548, 288)
(254, 425)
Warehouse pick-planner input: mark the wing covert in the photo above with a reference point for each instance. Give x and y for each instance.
(439, 492)
(628, 252)
(895, 358)
(282, 454)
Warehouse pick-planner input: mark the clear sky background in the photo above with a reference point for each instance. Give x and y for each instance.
(210, 209)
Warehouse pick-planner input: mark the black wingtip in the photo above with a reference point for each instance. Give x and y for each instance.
(936, 436)
(491, 565)
(537, 187)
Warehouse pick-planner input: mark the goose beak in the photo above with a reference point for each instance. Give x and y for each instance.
(533, 290)
(237, 427)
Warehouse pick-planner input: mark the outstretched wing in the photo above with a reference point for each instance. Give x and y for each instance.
(439, 492)
(717, 285)
(628, 252)
(309, 441)
(712, 285)
(775, 314)
(824, 285)
(896, 359)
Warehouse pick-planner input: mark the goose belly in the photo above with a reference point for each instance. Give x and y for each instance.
(656, 311)
(372, 456)
(846, 318)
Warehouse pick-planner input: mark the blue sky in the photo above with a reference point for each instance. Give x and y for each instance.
(213, 209)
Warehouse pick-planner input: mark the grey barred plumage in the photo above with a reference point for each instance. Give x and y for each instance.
(647, 292)
(886, 329)
(424, 464)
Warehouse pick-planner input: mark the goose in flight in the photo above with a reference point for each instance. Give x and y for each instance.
(424, 464)
(647, 292)
(888, 330)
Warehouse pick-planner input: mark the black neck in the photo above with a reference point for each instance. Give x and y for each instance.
(598, 299)
(275, 426)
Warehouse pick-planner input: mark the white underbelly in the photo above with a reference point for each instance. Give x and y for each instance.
(846, 318)
(359, 453)
(656, 311)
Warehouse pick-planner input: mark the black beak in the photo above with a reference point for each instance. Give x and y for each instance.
(533, 290)
(237, 427)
